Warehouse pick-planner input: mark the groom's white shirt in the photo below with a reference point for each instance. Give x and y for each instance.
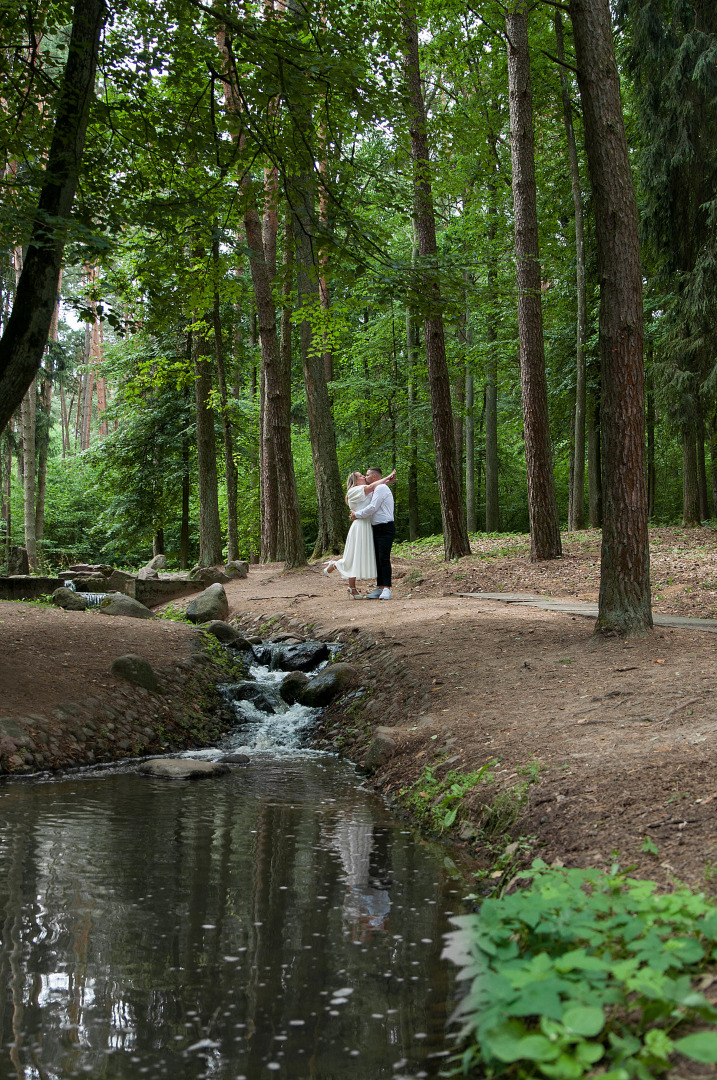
(380, 509)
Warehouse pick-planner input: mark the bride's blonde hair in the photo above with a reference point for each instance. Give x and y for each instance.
(350, 482)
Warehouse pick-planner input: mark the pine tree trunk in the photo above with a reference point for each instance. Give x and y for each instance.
(332, 517)
(576, 518)
(42, 454)
(184, 525)
(25, 336)
(713, 460)
(492, 505)
(650, 452)
(542, 504)
(459, 405)
(290, 529)
(7, 481)
(455, 536)
(210, 530)
(690, 479)
(230, 468)
(594, 466)
(470, 456)
(29, 406)
(624, 604)
(276, 430)
(158, 543)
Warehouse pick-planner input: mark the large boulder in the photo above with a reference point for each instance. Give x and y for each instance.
(258, 695)
(328, 684)
(118, 579)
(18, 562)
(292, 686)
(183, 768)
(68, 599)
(236, 569)
(209, 605)
(303, 657)
(225, 633)
(92, 568)
(147, 573)
(136, 670)
(208, 575)
(159, 562)
(119, 604)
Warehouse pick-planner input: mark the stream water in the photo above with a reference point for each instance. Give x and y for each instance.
(274, 922)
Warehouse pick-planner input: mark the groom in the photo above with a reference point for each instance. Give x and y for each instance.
(380, 512)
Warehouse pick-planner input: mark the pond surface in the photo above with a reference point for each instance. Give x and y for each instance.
(276, 922)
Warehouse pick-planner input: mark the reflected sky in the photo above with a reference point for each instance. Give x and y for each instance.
(274, 922)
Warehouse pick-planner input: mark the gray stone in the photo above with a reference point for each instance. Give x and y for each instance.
(236, 569)
(119, 604)
(14, 728)
(147, 573)
(117, 581)
(136, 670)
(235, 759)
(68, 599)
(183, 768)
(328, 684)
(17, 562)
(210, 605)
(253, 692)
(159, 562)
(303, 657)
(292, 686)
(380, 751)
(93, 568)
(225, 633)
(208, 575)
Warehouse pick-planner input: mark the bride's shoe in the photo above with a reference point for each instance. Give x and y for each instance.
(354, 594)
(329, 567)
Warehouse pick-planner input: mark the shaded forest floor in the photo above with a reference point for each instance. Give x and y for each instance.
(622, 737)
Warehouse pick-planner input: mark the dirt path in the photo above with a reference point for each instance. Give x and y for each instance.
(623, 735)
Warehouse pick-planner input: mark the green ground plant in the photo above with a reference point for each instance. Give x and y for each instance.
(438, 803)
(584, 973)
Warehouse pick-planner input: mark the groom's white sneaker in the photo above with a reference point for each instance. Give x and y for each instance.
(385, 594)
(374, 594)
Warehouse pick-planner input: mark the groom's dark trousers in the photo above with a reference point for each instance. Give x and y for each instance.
(383, 537)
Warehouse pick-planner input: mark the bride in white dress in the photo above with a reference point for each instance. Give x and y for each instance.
(359, 559)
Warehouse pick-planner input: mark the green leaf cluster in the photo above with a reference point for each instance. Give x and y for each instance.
(584, 969)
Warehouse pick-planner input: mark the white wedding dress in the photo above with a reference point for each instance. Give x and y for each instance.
(359, 559)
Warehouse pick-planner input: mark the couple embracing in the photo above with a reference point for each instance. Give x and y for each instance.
(367, 553)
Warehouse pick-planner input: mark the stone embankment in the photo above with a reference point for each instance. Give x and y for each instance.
(185, 710)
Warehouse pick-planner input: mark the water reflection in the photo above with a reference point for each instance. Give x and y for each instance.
(274, 922)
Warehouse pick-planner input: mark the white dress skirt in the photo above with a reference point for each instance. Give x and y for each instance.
(359, 559)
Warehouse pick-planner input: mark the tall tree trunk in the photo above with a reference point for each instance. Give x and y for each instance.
(713, 460)
(594, 466)
(650, 450)
(455, 536)
(158, 542)
(210, 530)
(25, 336)
(411, 349)
(690, 479)
(624, 604)
(329, 490)
(459, 406)
(42, 455)
(230, 468)
(542, 504)
(702, 468)
(276, 429)
(577, 501)
(492, 507)
(7, 481)
(184, 525)
(470, 454)
(29, 407)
